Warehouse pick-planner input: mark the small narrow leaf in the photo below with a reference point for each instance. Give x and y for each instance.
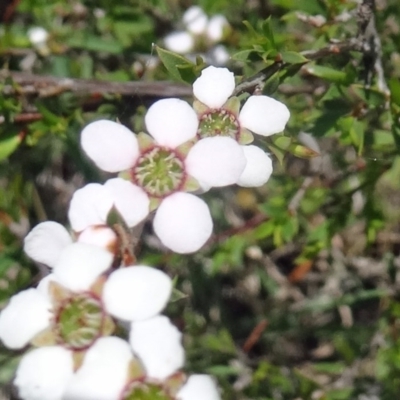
(175, 63)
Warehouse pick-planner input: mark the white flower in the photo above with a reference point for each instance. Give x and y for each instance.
(220, 114)
(46, 240)
(44, 373)
(160, 171)
(199, 30)
(262, 115)
(30, 312)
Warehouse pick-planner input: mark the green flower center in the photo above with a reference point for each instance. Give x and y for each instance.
(218, 123)
(79, 321)
(144, 391)
(159, 171)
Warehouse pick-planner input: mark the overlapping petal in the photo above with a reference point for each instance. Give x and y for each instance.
(43, 373)
(80, 265)
(171, 122)
(214, 86)
(136, 293)
(111, 146)
(264, 115)
(216, 161)
(45, 242)
(258, 167)
(183, 222)
(103, 373)
(89, 206)
(130, 200)
(158, 345)
(27, 314)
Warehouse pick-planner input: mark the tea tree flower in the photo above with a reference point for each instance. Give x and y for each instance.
(160, 170)
(201, 31)
(220, 115)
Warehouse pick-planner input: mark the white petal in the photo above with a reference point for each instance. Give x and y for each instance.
(89, 206)
(183, 222)
(130, 200)
(258, 167)
(103, 373)
(195, 20)
(214, 86)
(43, 373)
(216, 161)
(215, 27)
(199, 387)
(27, 314)
(179, 42)
(219, 55)
(158, 345)
(45, 242)
(99, 235)
(171, 122)
(264, 115)
(111, 146)
(81, 264)
(136, 293)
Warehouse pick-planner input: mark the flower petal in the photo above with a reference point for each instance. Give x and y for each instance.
(43, 373)
(215, 27)
(195, 20)
(214, 86)
(158, 345)
(103, 373)
(89, 206)
(100, 235)
(80, 265)
(264, 115)
(27, 314)
(199, 387)
(130, 200)
(216, 161)
(45, 242)
(111, 146)
(171, 122)
(183, 222)
(258, 167)
(179, 42)
(136, 293)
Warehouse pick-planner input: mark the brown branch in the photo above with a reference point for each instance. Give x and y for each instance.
(47, 86)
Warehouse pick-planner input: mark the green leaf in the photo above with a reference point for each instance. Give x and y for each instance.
(272, 84)
(327, 73)
(292, 57)
(8, 145)
(394, 86)
(176, 65)
(242, 55)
